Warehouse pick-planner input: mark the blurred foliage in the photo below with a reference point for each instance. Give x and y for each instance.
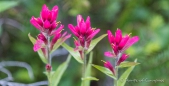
(149, 19)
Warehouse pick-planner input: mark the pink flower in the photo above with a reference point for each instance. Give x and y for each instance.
(40, 42)
(108, 65)
(119, 43)
(122, 58)
(47, 20)
(109, 54)
(48, 67)
(63, 37)
(46, 23)
(83, 31)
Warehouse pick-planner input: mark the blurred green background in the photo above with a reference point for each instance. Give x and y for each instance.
(149, 19)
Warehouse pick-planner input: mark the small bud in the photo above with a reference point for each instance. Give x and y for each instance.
(48, 67)
(42, 37)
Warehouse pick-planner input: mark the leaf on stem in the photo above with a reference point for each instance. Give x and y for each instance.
(56, 76)
(7, 4)
(127, 64)
(94, 42)
(124, 76)
(40, 53)
(75, 54)
(56, 45)
(90, 78)
(105, 71)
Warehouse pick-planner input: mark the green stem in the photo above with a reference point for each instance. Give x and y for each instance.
(48, 57)
(116, 74)
(116, 69)
(84, 66)
(48, 50)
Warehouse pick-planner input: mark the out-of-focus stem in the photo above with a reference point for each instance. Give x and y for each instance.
(116, 74)
(116, 69)
(84, 66)
(48, 49)
(48, 57)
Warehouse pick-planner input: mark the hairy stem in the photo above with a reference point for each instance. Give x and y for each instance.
(48, 57)
(116, 74)
(48, 49)
(84, 66)
(116, 69)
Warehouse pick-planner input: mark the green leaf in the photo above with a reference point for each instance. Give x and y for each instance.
(40, 53)
(90, 78)
(94, 42)
(88, 69)
(124, 76)
(57, 44)
(127, 64)
(7, 4)
(56, 76)
(75, 54)
(105, 71)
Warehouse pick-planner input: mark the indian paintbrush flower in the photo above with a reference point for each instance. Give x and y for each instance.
(47, 20)
(108, 65)
(83, 31)
(49, 38)
(119, 43)
(46, 23)
(122, 58)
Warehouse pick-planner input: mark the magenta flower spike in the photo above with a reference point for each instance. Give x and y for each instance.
(83, 31)
(49, 39)
(46, 24)
(119, 43)
(47, 20)
(108, 65)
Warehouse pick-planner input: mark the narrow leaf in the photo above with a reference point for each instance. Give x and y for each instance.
(7, 4)
(40, 53)
(88, 71)
(124, 76)
(56, 76)
(57, 44)
(88, 78)
(75, 54)
(127, 64)
(105, 71)
(95, 41)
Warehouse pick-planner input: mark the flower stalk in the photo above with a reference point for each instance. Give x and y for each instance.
(116, 74)
(84, 33)
(116, 68)
(46, 23)
(119, 44)
(48, 58)
(84, 66)
(48, 49)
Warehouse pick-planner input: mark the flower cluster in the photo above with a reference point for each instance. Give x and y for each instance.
(51, 38)
(84, 32)
(119, 44)
(47, 24)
